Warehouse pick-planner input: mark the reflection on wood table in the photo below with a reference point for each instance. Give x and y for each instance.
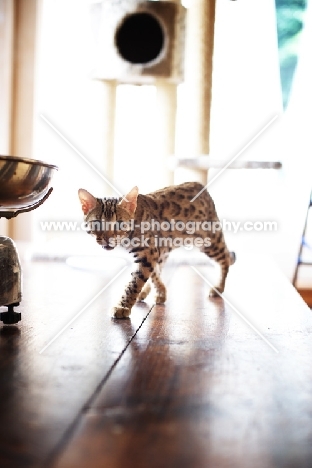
(194, 383)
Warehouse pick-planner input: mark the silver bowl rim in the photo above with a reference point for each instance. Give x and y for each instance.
(27, 161)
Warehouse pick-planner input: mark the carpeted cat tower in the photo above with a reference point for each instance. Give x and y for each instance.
(160, 43)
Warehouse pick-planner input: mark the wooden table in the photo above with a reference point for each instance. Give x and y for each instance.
(189, 384)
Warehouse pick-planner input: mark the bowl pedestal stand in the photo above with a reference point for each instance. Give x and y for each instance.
(10, 268)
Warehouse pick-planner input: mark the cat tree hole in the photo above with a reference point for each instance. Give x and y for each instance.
(140, 38)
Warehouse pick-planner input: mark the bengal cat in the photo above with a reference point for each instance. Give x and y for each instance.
(149, 227)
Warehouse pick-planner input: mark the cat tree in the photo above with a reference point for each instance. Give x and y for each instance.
(175, 46)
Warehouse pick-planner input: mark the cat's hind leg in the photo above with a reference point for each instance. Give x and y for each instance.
(218, 252)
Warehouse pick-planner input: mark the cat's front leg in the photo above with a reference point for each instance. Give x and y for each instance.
(140, 276)
(144, 293)
(160, 288)
(161, 293)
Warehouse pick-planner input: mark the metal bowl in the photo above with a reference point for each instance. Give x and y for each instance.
(23, 182)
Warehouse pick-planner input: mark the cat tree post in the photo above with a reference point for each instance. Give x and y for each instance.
(109, 89)
(167, 105)
(167, 112)
(198, 82)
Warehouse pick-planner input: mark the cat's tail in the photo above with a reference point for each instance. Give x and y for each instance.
(232, 257)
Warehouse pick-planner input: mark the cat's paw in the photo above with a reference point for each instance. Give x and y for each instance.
(121, 312)
(144, 293)
(141, 298)
(161, 298)
(215, 292)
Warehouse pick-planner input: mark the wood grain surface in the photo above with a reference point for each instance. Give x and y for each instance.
(194, 383)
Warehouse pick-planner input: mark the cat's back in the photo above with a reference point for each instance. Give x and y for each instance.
(176, 201)
(186, 191)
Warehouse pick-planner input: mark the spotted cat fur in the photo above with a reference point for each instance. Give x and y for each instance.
(170, 203)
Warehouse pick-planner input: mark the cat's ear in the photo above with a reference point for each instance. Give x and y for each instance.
(88, 201)
(129, 202)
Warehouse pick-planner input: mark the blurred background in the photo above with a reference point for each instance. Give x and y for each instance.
(261, 69)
